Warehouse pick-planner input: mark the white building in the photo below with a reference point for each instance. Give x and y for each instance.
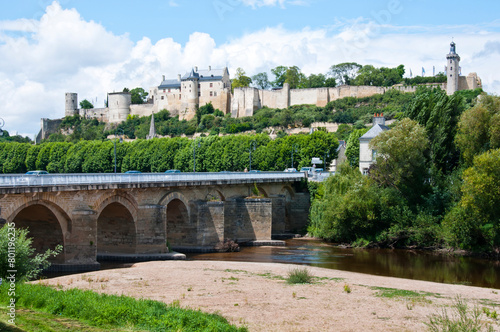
(367, 156)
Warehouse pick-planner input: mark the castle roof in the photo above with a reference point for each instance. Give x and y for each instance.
(374, 131)
(205, 74)
(176, 84)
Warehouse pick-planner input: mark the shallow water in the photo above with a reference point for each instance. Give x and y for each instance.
(410, 264)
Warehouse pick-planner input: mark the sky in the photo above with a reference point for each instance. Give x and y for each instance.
(93, 47)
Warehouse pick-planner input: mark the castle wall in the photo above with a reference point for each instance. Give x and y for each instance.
(304, 96)
(143, 109)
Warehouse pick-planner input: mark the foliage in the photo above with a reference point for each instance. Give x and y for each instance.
(401, 160)
(27, 265)
(299, 276)
(352, 147)
(113, 311)
(475, 222)
(345, 73)
(439, 114)
(439, 78)
(85, 104)
(369, 75)
(479, 128)
(463, 320)
(5, 137)
(138, 96)
(261, 81)
(240, 80)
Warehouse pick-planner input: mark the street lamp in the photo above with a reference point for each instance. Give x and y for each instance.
(114, 142)
(194, 155)
(252, 145)
(294, 149)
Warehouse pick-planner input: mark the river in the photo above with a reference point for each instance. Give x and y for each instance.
(410, 264)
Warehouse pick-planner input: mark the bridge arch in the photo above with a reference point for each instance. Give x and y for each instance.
(116, 224)
(215, 194)
(180, 230)
(47, 223)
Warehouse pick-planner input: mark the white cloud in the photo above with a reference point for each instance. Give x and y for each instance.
(64, 53)
(173, 3)
(271, 3)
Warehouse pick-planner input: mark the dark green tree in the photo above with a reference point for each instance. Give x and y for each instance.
(261, 81)
(85, 104)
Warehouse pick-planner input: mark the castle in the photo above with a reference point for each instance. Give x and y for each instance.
(183, 95)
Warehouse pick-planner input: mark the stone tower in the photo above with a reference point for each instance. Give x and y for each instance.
(119, 106)
(452, 70)
(71, 107)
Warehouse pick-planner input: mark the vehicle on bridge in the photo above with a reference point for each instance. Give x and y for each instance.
(37, 172)
(290, 170)
(172, 171)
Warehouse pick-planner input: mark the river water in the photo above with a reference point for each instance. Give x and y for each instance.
(410, 264)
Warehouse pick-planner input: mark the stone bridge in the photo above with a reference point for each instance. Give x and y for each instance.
(126, 215)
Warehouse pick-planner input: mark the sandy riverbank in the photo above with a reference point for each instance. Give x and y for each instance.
(256, 295)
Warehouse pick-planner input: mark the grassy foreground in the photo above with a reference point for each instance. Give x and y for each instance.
(102, 312)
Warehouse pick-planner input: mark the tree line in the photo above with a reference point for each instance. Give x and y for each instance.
(435, 182)
(347, 73)
(213, 154)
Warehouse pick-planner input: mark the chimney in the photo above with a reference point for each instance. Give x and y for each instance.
(179, 77)
(196, 69)
(163, 77)
(209, 68)
(379, 119)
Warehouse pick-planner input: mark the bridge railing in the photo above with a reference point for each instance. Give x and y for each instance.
(24, 180)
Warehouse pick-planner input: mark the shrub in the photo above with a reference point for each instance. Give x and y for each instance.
(27, 264)
(299, 276)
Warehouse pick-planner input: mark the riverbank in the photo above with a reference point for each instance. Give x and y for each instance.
(256, 295)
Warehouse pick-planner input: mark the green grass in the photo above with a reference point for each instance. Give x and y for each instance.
(299, 276)
(463, 319)
(33, 321)
(114, 312)
(395, 293)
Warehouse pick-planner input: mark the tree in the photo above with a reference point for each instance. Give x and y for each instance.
(474, 223)
(479, 128)
(352, 147)
(240, 80)
(261, 81)
(314, 81)
(279, 76)
(138, 96)
(294, 77)
(86, 105)
(28, 265)
(345, 73)
(401, 159)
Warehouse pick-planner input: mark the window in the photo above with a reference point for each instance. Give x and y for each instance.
(215, 94)
(163, 90)
(365, 171)
(211, 85)
(450, 61)
(162, 97)
(451, 67)
(199, 85)
(211, 93)
(168, 90)
(374, 155)
(179, 96)
(199, 93)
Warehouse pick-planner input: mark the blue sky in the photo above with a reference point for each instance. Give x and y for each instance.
(93, 47)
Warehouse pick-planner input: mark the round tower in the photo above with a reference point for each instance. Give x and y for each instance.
(452, 70)
(71, 107)
(119, 106)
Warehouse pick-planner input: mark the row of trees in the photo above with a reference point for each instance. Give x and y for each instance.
(436, 180)
(347, 73)
(214, 154)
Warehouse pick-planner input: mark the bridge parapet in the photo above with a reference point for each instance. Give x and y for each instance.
(62, 182)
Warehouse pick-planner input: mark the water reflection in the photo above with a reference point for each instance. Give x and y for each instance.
(410, 264)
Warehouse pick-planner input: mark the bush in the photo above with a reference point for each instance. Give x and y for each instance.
(27, 264)
(299, 276)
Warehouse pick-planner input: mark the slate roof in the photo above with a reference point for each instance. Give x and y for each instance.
(374, 132)
(205, 74)
(176, 84)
